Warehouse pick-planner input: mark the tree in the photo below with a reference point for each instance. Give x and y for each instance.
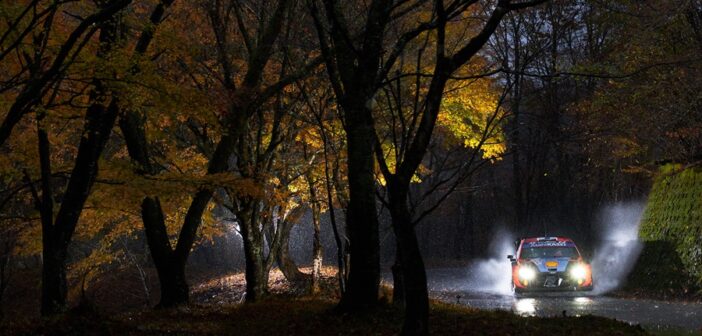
(536, 49)
(40, 94)
(471, 116)
(352, 64)
(244, 93)
(324, 118)
(643, 57)
(414, 277)
(356, 70)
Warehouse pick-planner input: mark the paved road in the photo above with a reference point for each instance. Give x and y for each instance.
(456, 285)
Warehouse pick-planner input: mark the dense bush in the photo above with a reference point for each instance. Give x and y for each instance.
(673, 217)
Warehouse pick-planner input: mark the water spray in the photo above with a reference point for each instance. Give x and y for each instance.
(494, 275)
(619, 247)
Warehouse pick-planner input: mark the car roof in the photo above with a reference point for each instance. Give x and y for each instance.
(538, 239)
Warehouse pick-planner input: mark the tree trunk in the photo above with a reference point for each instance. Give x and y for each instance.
(316, 242)
(174, 286)
(53, 281)
(256, 272)
(398, 283)
(354, 76)
(414, 276)
(57, 237)
(361, 217)
(285, 262)
(341, 274)
(256, 275)
(4, 275)
(57, 231)
(171, 270)
(316, 251)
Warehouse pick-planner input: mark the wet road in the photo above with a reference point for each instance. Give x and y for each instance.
(455, 285)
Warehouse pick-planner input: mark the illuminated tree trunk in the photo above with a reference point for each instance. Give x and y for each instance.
(256, 273)
(285, 262)
(316, 251)
(316, 241)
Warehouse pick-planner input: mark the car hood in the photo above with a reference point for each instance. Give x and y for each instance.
(541, 263)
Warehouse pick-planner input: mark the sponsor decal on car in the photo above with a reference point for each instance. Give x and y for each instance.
(549, 244)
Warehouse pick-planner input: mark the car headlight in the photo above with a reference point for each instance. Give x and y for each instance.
(526, 273)
(578, 272)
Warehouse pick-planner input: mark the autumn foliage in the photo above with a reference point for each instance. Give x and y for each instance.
(135, 132)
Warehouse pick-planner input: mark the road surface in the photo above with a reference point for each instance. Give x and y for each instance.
(457, 285)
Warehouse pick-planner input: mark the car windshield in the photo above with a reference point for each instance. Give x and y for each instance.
(546, 252)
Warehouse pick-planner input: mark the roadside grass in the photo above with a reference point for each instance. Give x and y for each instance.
(310, 316)
(289, 310)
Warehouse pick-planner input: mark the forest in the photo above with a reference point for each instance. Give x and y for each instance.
(342, 149)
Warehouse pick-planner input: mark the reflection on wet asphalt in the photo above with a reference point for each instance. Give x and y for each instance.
(452, 285)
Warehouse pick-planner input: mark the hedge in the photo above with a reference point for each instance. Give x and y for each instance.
(673, 217)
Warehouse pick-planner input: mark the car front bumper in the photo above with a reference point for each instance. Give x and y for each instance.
(553, 281)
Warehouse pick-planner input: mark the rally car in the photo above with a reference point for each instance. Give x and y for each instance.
(549, 264)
